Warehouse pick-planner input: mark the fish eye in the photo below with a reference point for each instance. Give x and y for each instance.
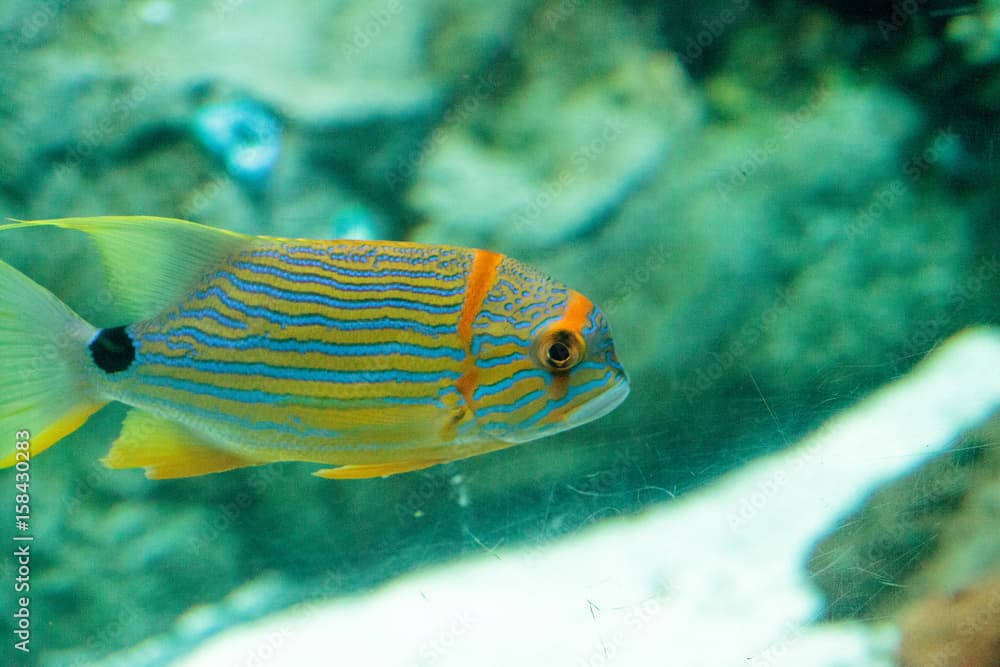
(558, 353)
(559, 350)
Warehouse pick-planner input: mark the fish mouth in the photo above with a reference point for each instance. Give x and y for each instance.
(594, 409)
(600, 406)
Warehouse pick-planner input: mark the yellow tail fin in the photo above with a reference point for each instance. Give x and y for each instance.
(43, 366)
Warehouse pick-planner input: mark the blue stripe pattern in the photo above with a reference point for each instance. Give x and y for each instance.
(290, 296)
(304, 346)
(293, 373)
(290, 320)
(312, 279)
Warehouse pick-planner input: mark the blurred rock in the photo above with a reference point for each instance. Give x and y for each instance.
(962, 629)
(929, 532)
(977, 29)
(866, 567)
(587, 120)
(361, 82)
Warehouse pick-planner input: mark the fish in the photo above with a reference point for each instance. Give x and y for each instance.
(231, 350)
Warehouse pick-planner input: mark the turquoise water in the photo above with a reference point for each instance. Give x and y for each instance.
(780, 206)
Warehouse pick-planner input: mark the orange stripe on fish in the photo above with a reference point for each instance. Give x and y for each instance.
(578, 309)
(481, 277)
(484, 270)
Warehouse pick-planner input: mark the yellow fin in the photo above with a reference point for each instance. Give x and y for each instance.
(167, 449)
(150, 262)
(375, 469)
(54, 432)
(45, 393)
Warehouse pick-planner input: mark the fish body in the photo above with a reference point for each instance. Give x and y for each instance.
(378, 357)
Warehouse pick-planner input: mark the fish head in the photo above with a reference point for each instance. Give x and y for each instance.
(545, 358)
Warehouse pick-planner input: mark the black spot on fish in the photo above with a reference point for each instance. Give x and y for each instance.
(112, 350)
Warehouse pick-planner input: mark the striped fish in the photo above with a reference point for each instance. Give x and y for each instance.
(232, 351)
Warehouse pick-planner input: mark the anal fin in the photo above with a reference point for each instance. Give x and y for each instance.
(367, 471)
(167, 449)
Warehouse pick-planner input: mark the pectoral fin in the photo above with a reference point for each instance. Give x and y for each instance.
(167, 449)
(375, 470)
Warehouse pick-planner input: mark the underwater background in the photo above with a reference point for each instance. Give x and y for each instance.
(781, 206)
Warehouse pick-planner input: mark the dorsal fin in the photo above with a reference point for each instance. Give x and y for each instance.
(149, 262)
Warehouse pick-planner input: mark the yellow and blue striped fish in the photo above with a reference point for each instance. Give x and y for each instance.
(233, 351)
